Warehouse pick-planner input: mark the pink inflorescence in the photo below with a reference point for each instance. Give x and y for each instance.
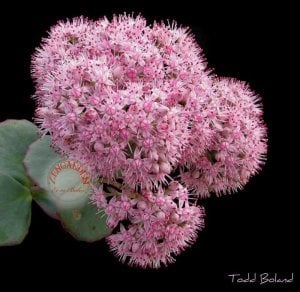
(160, 224)
(137, 106)
(238, 147)
(117, 93)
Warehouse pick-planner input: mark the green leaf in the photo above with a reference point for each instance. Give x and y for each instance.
(62, 184)
(15, 137)
(85, 223)
(38, 161)
(15, 211)
(15, 197)
(64, 191)
(45, 202)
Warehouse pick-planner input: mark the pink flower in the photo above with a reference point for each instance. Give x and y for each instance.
(99, 71)
(239, 144)
(161, 225)
(136, 105)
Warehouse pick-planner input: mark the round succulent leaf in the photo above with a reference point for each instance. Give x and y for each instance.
(15, 137)
(15, 197)
(85, 223)
(38, 161)
(15, 211)
(64, 182)
(66, 188)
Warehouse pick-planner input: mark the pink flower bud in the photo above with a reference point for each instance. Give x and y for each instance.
(110, 110)
(154, 155)
(118, 72)
(76, 92)
(148, 106)
(95, 100)
(98, 146)
(165, 167)
(141, 205)
(183, 75)
(160, 215)
(135, 247)
(91, 114)
(131, 74)
(155, 168)
(196, 174)
(174, 217)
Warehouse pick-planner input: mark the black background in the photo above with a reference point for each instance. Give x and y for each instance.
(252, 231)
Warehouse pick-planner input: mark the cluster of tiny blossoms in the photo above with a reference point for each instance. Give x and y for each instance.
(136, 105)
(160, 224)
(238, 147)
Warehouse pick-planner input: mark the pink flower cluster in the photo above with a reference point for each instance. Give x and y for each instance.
(238, 146)
(136, 104)
(160, 224)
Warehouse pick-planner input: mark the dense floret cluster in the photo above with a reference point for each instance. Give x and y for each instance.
(137, 106)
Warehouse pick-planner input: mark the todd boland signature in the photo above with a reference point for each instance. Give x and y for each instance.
(261, 278)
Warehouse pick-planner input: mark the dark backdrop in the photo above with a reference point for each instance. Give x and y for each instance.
(252, 231)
